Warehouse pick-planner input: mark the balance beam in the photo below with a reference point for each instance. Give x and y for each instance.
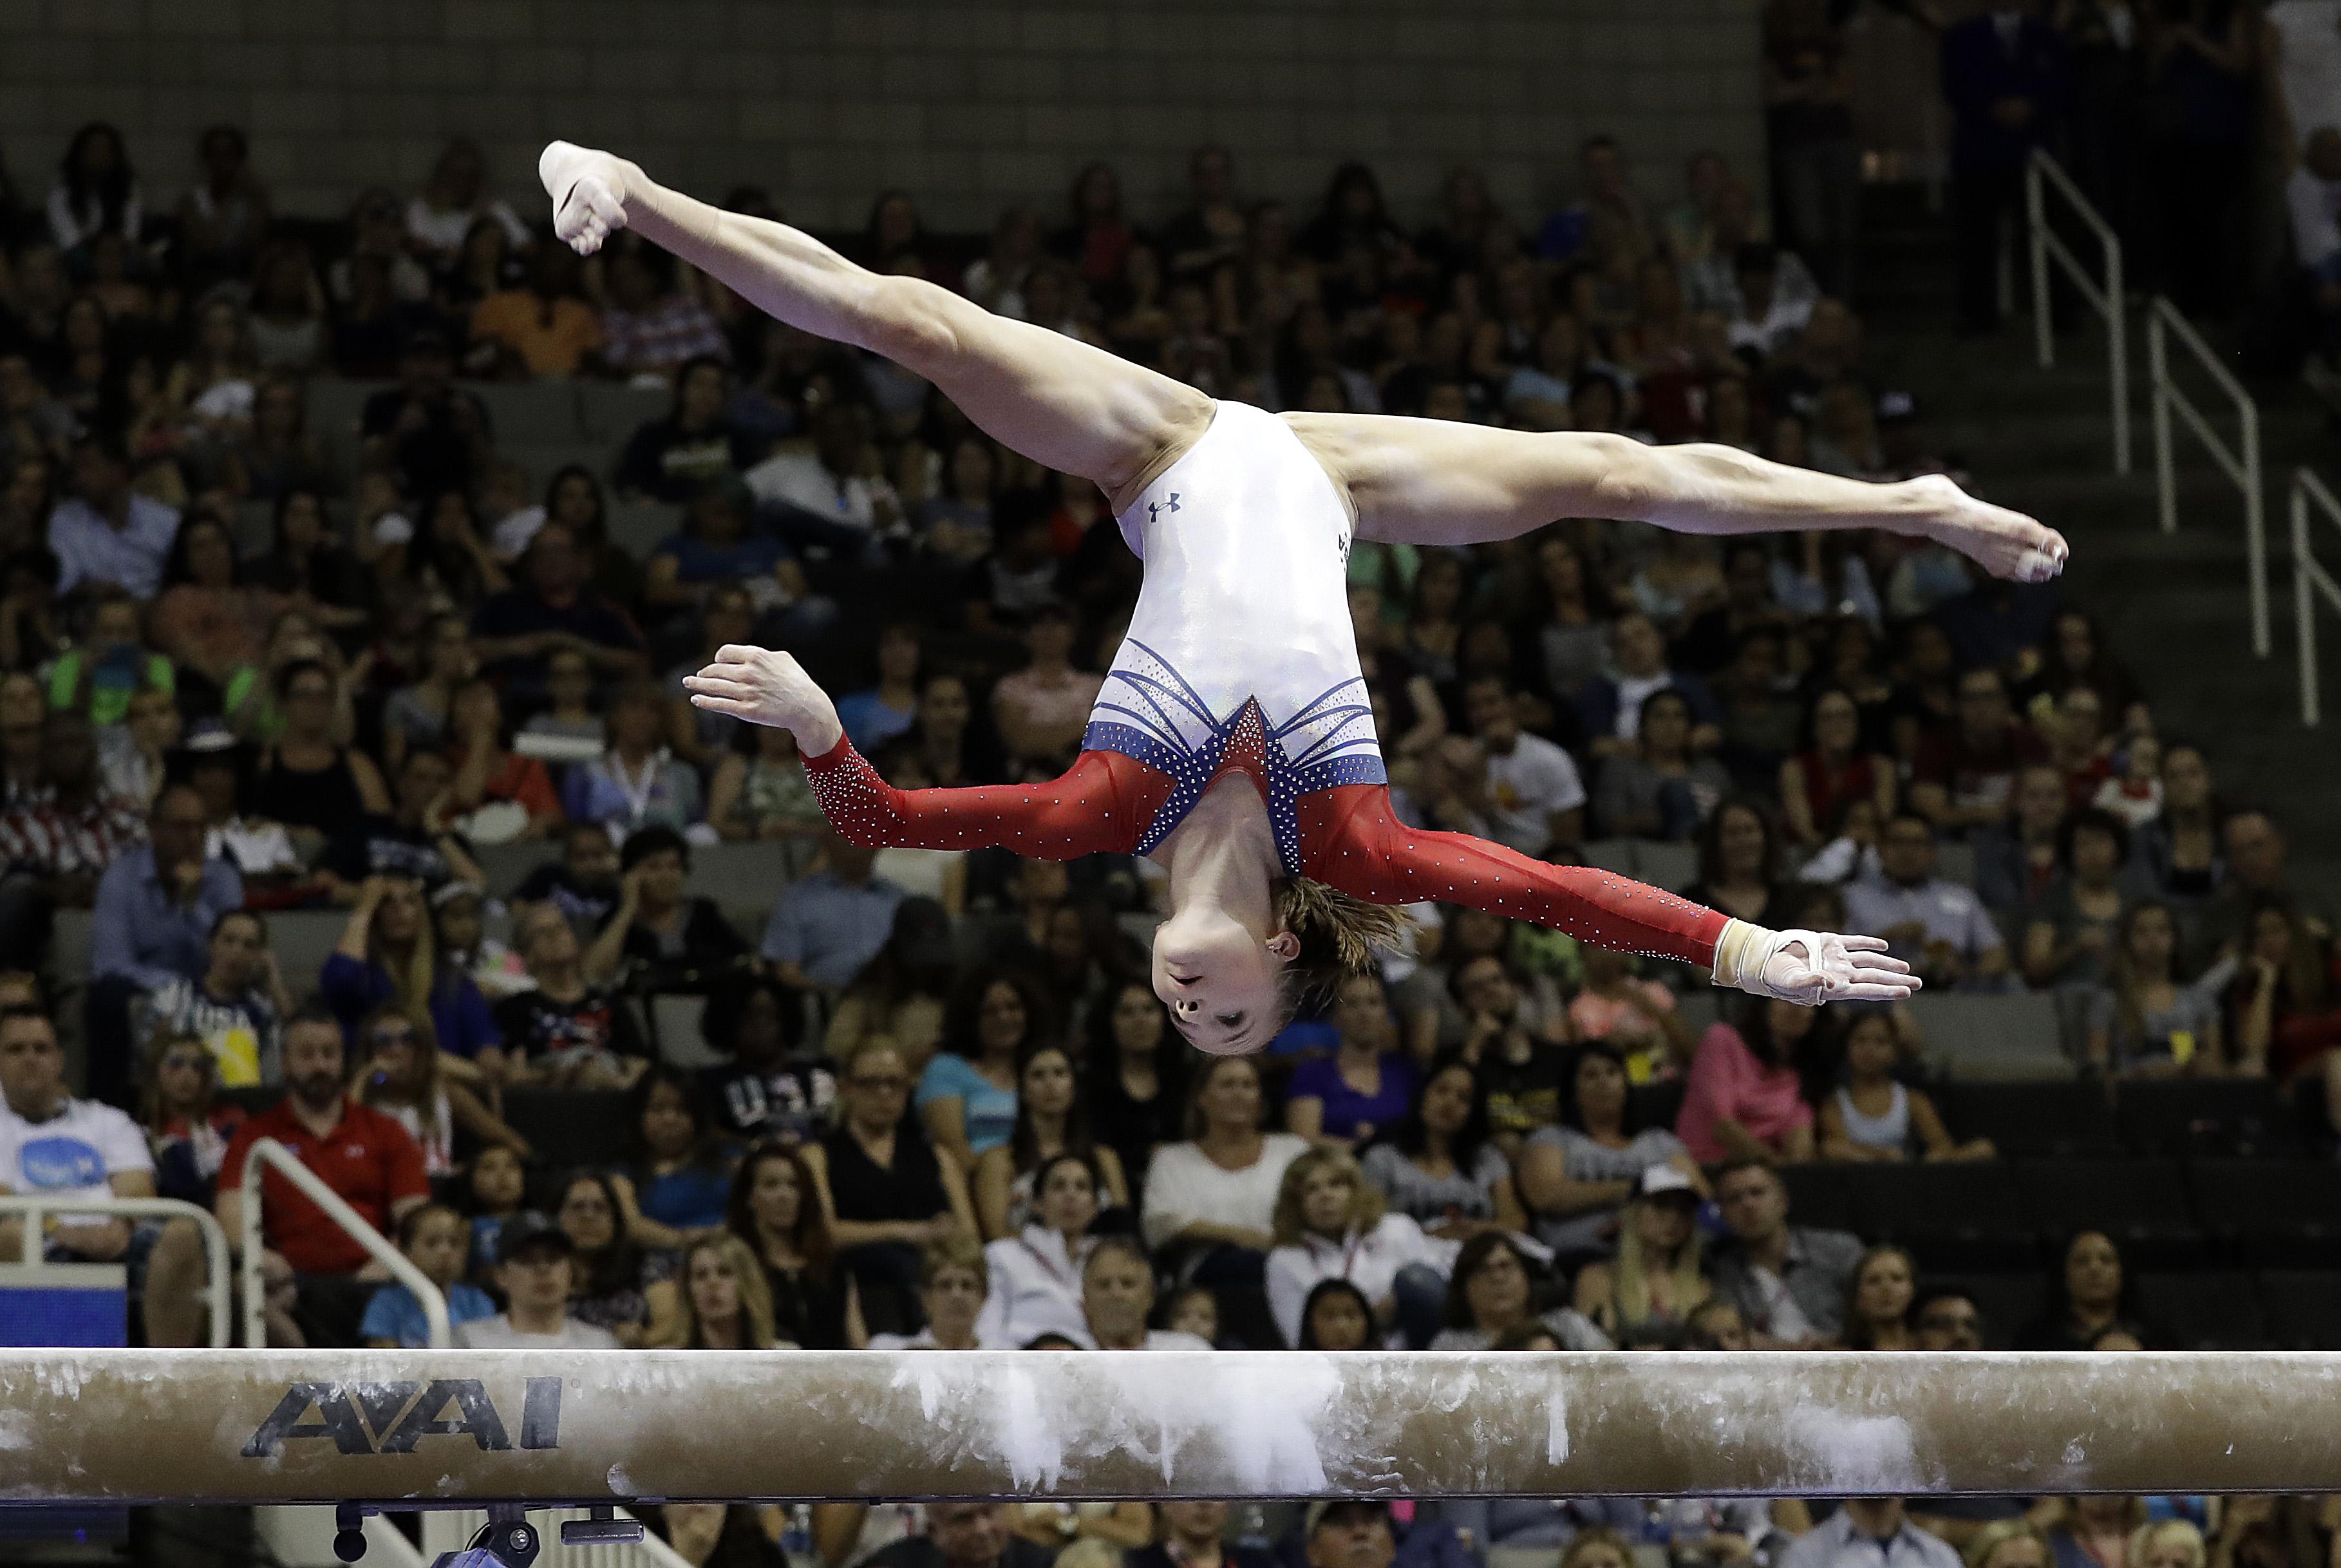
(618, 1426)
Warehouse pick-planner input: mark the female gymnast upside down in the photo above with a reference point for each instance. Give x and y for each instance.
(1233, 742)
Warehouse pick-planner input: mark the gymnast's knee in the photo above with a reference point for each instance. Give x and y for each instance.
(908, 321)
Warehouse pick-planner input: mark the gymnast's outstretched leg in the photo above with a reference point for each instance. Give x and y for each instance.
(1057, 400)
(1432, 481)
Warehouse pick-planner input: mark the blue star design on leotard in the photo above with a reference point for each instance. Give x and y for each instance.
(1156, 709)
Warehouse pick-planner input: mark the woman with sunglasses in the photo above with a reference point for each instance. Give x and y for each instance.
(187, 1126)
(398, 1075)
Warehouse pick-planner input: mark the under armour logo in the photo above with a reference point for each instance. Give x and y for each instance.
(1155, 508)
(1341, 546)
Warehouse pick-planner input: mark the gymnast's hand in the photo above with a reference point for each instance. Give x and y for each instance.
(766, 686)
(589, 194)
(2003, 542)
(1810, 968)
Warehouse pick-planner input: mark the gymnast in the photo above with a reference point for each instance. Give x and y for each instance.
(1233, 742)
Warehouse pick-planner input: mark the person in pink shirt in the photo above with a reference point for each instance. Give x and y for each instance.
(1635, 1015)
(1745, 1100)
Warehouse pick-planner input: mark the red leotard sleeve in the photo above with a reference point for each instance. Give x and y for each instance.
(1100, 806)
(1352, 841)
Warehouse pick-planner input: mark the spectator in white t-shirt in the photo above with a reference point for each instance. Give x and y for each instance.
(1534, 799)
(438, 219)
(536, 1265)
(1036, 1274)
(1117, 1295)
(52, 1146)
(839, 481)
(1872, 1532)
(1938, 927)
(1217, 1188)
(1331, 1223)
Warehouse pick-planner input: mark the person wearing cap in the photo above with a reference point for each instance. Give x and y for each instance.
(1873, 1532)
(262, 851)
(536, 1267)
(1646, 1294)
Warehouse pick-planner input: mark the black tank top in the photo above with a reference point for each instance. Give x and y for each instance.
(808, 1308)
(326, 800)
(863, 1190)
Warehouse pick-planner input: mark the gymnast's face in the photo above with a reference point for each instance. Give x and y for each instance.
(1219, 979)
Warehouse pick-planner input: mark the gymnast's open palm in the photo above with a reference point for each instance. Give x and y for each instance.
(766, 686)
(588, 188)
(1810, 968)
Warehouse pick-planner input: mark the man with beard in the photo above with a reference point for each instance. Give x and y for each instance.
(367, 1159)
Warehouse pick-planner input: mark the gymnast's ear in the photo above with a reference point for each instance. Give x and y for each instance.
(1285, 946)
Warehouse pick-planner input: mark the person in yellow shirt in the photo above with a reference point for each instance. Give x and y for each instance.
(545, 329)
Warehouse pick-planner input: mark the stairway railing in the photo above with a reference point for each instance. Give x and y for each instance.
(2103, 290)
(2310, 579)
(2240, 464)
(270, 1155)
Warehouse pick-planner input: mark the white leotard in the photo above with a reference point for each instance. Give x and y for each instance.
(1246, 600)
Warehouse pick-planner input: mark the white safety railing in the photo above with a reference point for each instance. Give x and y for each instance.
(35, 1209)
(275, 1156)
(452, 1529)
(2103, 289)
(2310, 579)
(2240, 464)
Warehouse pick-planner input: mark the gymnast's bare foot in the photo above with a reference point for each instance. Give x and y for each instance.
(588, 188)
(2003, 542)
(766, 686)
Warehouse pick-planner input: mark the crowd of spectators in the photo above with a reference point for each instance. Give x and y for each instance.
(946, 1110)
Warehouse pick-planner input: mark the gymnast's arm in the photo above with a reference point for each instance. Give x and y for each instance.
(1435, 482)
(1352, 841)
(1099, 806)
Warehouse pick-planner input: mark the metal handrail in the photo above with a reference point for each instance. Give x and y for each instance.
(2243, 466)
(2310, 579)
(268, 1152)
(2108, 298)
(34, 1207)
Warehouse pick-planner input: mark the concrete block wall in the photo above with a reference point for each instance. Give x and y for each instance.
(972, 104)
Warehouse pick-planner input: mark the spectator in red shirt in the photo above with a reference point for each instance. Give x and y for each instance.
(501, 795)
(1963, 778)
(364, 1156)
